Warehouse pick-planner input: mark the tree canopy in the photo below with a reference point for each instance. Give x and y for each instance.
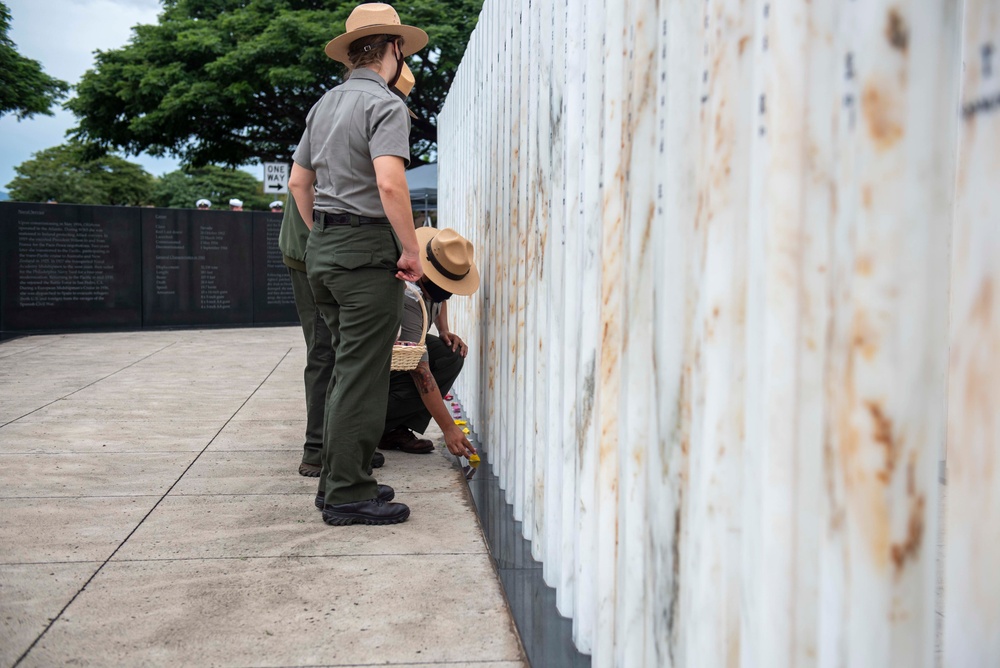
(25, 89)
(231, 81)
(66, 174)
(182, 188)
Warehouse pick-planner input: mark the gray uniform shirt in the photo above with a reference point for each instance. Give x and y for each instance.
(413, 318)
(349, 127)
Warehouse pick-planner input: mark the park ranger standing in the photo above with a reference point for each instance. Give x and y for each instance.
(349, 180)
(292, 240)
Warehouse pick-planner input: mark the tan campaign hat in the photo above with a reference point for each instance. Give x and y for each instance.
(447, 259)
(406, 81)
(375, 18)
(405, 85)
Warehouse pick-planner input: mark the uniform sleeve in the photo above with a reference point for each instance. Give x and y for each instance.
(390, 130)
(413, 319)
(303, 152)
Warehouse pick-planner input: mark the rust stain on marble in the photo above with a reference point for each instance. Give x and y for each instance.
(647, 229)
(863, 336)
(882, 435)
(743, 43)
(909, 548)
(863, 502)
(881, 113)
(698, 210)
(866, 196)
(982, 305)
(896, 30)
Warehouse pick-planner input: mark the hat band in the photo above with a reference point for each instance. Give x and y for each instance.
(437, 265)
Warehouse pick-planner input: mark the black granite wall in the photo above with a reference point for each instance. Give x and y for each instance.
(70, 267)
(272, 287)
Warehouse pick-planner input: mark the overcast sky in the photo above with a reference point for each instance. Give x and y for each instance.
(62, 35)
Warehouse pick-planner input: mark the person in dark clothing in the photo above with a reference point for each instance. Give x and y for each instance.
(416, 396)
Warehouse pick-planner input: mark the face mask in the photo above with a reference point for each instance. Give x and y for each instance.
(398, 51)
(436, 294)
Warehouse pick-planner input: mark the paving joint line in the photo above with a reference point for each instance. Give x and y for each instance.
(150, 512)
(484, 662)
(264, 557)
(100, 452)
(49, 563)
(21, 352)
(79, 496)
(81, 389)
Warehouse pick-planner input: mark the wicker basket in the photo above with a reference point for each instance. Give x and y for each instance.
(407, 357)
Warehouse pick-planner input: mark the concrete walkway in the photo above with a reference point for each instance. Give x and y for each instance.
(151, 514)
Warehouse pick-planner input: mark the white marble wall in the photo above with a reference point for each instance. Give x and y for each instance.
(709, 357)
(972, 532)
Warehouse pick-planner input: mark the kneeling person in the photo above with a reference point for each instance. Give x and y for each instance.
(416, 396)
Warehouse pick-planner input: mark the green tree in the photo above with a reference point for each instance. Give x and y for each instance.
(25, 89)
(231, 81)
(66, 174)
(182, 188)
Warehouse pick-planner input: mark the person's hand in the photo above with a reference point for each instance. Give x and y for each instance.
(409, 267)
(455, 342)
(457, 443)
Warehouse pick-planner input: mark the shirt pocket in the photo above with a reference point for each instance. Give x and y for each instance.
(352, 259)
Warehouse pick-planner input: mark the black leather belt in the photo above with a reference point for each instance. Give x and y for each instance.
(346, 219)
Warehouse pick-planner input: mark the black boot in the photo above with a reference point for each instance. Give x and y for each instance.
(385, 493)
(373, 511)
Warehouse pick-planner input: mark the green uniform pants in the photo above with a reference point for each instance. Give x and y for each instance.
(352, 273)
(319, 364)
(406, 407)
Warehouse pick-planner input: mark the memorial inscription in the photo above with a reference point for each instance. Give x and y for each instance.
(273, 298)
(69, 266)
(202, 267)
(82, 267)
(62, 262)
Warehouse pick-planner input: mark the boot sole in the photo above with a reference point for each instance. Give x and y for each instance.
(308, 471)
(345, 520)
(319, 502)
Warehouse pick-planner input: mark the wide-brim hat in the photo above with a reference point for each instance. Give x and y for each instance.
(375, 18)
(406, 81)
(447, 259)
(405, 84)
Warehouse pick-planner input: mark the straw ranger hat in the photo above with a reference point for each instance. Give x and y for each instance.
(375, 18)
(447, 260)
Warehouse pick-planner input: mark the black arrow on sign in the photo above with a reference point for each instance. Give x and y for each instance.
(276, 186)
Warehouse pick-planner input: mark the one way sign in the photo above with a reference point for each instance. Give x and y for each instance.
(275, 177)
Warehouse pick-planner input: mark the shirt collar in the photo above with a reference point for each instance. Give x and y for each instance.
(365, 73)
